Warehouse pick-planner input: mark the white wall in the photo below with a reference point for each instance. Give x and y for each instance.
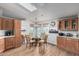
(52, 38)
(25, 25)
(1, 12)
(56, 25)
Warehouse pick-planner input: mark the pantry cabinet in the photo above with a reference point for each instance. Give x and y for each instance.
(17, 33)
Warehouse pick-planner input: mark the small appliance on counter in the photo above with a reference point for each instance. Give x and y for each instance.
(53, 31)
(77, 35)
(61, 34)
(69, 35)
(9, 32)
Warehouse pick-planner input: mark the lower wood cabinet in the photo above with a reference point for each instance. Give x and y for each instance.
(2, 45)
(69, 44)
(18, 41)
(9, 43)
(61, 41)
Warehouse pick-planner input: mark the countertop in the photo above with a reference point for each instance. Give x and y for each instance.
(70, 37)
(2, 37)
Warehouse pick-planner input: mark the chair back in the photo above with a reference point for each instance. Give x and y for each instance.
(45, 38)
(22, 38)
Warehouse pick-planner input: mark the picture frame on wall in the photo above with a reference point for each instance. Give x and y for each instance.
(52, 23)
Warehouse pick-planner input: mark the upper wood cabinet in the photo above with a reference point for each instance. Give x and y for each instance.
(0, 23)
(61, 26)
(69, 24)
(6, 24)
(74, 24)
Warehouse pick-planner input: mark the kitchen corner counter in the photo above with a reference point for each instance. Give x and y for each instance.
(2, 37)
(69, 44)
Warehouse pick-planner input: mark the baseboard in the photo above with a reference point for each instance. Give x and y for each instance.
(52, 44)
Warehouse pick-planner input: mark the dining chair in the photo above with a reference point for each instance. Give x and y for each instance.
(22, 39)
(32, 42)
(29, 41)
(43, 44)
(44, 39)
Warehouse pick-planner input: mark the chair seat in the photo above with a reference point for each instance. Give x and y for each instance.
(41, 41)
(32, 40)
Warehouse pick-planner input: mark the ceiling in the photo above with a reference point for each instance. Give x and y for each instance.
(45, 11)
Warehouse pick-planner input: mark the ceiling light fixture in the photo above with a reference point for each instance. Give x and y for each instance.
(28, 6)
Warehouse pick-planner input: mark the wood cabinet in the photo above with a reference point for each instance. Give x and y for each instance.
(61, 42)
(74, 25)
(0, 23)
(69, 24)
(17, 32)
(2, 45)
(9, 43)
(69, 44)
(8, 24)
(61, 26)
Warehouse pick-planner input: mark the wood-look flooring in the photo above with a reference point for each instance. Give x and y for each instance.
(50, 50)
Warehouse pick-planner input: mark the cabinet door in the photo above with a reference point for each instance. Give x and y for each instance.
(2, 45)
(8, 43)
(74, 46)
(74, 24)
(8, 24)
(5, 24)
(68, 44)
(61, 25)
(0, 23)
(61, 42)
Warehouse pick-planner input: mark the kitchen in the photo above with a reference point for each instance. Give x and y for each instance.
(61, 28)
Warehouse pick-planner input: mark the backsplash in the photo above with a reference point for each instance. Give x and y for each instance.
(2, 32)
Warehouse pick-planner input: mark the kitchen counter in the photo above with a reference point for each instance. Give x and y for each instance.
(2, 37)
(70, 37)
(69, 44)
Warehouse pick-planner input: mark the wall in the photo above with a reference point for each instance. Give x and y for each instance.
(52, 38)
(25, 25)
(1, 12)
(2, 32)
